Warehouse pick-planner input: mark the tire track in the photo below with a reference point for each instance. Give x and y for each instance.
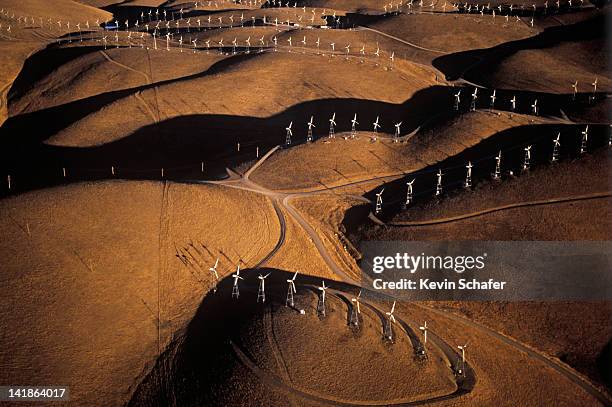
(551, 201)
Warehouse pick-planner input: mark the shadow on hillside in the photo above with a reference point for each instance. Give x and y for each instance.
(198, 366)
(473, 65)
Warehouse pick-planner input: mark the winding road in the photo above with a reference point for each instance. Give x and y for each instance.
(245, 183)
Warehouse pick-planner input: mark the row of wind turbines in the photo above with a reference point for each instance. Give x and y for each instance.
(535, 108)
(332, 129)
(496, 175)
(354, 311)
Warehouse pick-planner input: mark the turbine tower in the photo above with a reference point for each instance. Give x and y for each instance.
(291, 290)
(321, 302)
(457, 99)
(378, 208)
(354, 122)
(422, 350)
(474, 97)
(236, 276)
(213, 270)
(468, 175)
(556, 147)
(261, 293)
(289, 134)
(388, 325)
(408, 194)
(527, 159)
(461, 362)
(332, 124)
(439, 183)
(397, 132)
(310, 126)
(376, 127)
(497, 173)
(355, 310)
(585, 137)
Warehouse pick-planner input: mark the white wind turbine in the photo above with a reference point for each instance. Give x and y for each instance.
(461, 369)
(424, 329)
(332, 124)
(213, 270)
(534, 107)
(309, 138)
(397, 132)
(379, 201)
(321, 303)
(408, 193)
(468, 175)
(527, 158)
(457, 99)
(439, 183)
(474, 97)
(236, 276)
(291, 290)
(390, 321)
(289, 134)
(261, 293)
(585, 137)
(556, 147)
(355, 310)
(354, 123)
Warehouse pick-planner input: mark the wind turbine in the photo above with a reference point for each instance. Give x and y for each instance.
(424, 329)
(388, 325)
(397, 132)
(261, 293)
(457, 99)
(497, 173)
(291, 290)
(355, 310)
(556, 147)
(575, 88)
(585, 137)
(439, 183)
(289, 134)
(594, 84)
(213, 270)
(321, 302)
(310, 126)
(379, 201)
(474, 97)
(408, 193)
(376, 125)
(461, 369)
(236, 276)
(513, 103)
(527, 158)
(354, 122)
(392, 58)
(534, 107)
(332, 124)
(493, 100)
(468, 175)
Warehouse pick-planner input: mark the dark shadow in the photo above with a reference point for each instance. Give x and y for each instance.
(474, 65)
(198, 366)
(482, 156)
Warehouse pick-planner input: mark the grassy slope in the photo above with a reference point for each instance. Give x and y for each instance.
(80, 278)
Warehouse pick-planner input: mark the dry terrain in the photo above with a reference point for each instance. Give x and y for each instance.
(135, 158)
